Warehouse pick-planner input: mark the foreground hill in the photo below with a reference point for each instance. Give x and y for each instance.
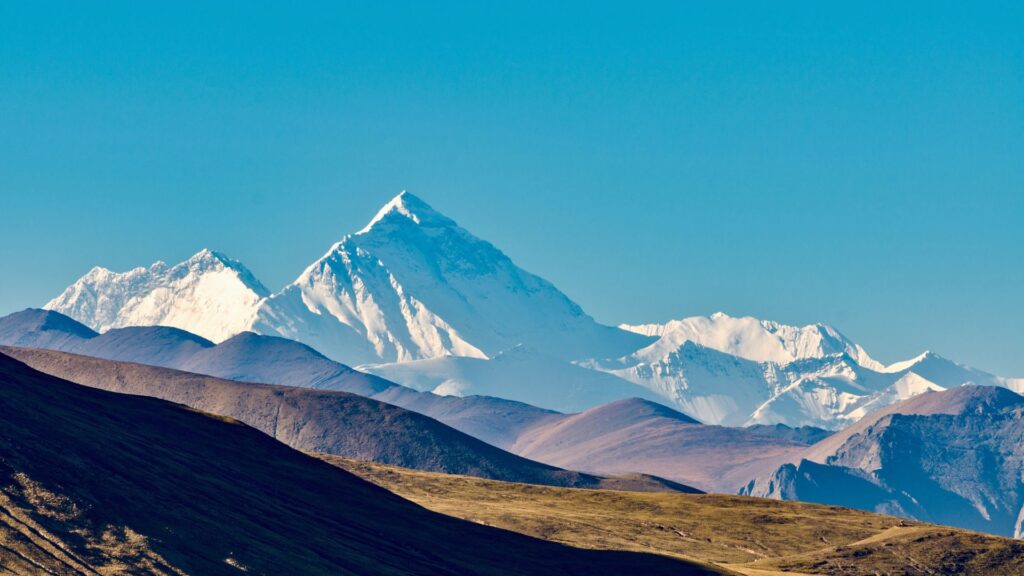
(323, 421)
(103, 483)
(954, 457)
(747, 535)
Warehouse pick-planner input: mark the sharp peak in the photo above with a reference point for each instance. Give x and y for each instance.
(926, 355)
(207, 255)
(411, 208)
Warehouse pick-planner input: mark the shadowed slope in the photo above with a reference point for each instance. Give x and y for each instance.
(268, 360)
(255, 358)
(101, 482)
(320, 420)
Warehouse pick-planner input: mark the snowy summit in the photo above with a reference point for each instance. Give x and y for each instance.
(418, 299)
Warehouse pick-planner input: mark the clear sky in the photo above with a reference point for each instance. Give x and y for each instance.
(858, 164)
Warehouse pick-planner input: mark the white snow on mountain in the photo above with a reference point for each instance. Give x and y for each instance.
(820, 387)
(418, 299)
(908, 386)
(740, 371)
(750, 338)
(712, 386)
(209, 294)
(415, 285)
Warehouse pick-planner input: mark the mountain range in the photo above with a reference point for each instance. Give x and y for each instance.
(412, 342)
(250, 357)
(105, 483)
(625, 437)
(951, 456)
(325, 421)
(419, 300)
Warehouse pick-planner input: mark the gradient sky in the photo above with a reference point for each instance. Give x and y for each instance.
(859, 165)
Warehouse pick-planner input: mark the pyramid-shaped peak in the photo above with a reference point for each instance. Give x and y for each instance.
(209, 257)
(406, 207)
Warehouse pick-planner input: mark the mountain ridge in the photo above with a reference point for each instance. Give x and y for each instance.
(416, 298)
(326, 421)
(209, 294)
(272, 360)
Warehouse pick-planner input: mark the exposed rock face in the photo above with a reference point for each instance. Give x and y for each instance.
(953, 457)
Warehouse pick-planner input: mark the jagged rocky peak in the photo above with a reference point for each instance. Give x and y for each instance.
(209, 294)
(751, 338)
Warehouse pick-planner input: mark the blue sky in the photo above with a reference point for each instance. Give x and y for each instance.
(861, 165)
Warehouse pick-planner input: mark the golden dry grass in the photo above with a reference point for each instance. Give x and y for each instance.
(753, 536)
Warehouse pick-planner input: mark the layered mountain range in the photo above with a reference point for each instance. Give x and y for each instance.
(102, 483)
(419, 300)
(950, 456)
(311, 402)
(96, 482)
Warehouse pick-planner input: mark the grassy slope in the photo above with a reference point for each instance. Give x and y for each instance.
(750, 535)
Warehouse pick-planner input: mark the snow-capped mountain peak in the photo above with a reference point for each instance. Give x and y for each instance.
(208, 294)
(409, 207)
(413, 284)
(810, 375)
(925, 356)
(750, 338)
